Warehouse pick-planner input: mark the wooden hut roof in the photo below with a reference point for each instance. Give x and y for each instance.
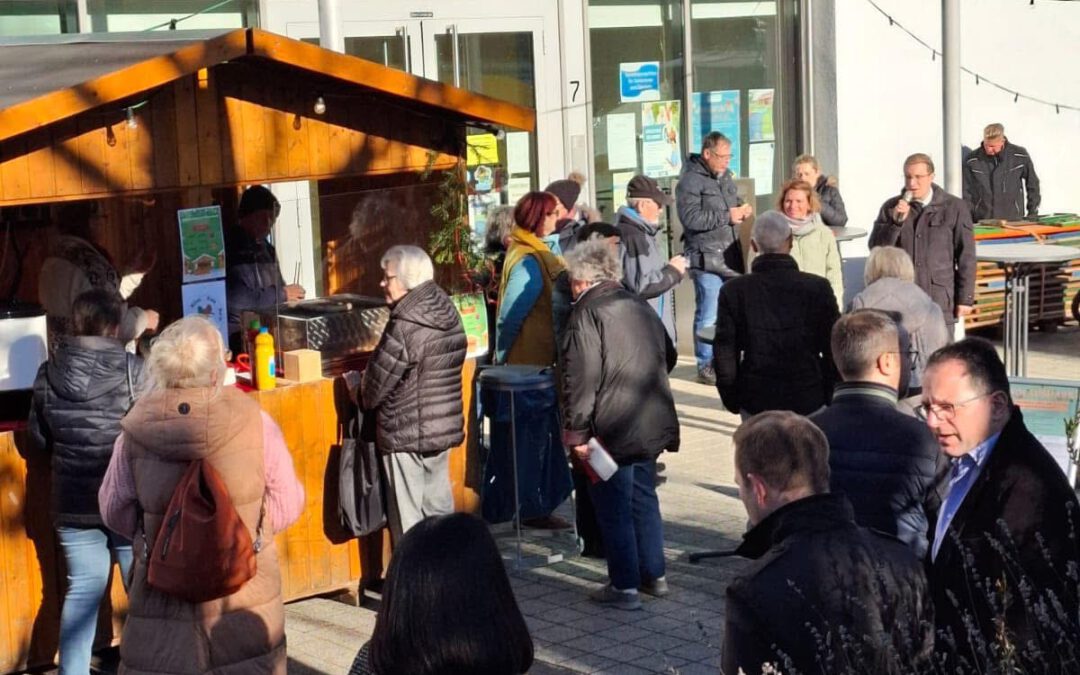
(47, 82)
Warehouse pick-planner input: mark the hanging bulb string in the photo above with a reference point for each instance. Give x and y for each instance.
(979, 79)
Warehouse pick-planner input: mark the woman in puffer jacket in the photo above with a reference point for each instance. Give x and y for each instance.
(79, 398)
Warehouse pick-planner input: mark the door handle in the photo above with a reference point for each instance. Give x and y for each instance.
(452, 31)
(403, 33)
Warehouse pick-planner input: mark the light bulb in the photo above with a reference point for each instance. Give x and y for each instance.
(132, 122)
(320, 106)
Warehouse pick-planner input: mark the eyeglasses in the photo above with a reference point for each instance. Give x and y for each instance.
(919, 176)
(719, 156)
(388, 277)
(552, 213)
(945, 412)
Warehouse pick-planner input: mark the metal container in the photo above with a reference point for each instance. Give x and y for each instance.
(344, 328)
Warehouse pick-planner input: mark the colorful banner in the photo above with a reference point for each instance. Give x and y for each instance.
(761, 115)
(661, 147)
(717, 111)
(473, 311)
(202, 244)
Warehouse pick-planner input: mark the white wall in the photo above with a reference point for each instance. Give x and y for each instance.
(889, 93)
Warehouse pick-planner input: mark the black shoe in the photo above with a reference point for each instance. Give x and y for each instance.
(707, 375)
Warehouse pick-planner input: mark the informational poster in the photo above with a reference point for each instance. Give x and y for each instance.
(1046, 405)
(761, 167)
(639, 81)
(479, 206)
(481, 149)
(207, 299)
(517, 152)
(473, 311)
(619, 181)
(622, 141)
(661, 147)
(760, 110)
(202, 244)
(517, 187)
(717, 111)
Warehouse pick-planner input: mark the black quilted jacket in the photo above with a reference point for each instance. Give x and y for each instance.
(79, 398)
(413, 381)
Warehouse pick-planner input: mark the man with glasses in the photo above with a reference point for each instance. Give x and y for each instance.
(709, 209)
(1004, 551)
(935, 229)
(883, 461)
(252, 276)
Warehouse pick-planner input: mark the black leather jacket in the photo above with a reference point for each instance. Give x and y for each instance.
(994, 186)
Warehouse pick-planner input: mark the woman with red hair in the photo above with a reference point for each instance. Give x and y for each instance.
(534, 301)
(525, 328)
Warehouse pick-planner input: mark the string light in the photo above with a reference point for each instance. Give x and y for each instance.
(978, 78)
(320, 106)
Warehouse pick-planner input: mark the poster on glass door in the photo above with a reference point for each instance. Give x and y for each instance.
(661, 146)
(639, 81)
(717, 111)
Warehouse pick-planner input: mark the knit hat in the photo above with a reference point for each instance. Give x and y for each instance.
(567, 190)
(257, 198)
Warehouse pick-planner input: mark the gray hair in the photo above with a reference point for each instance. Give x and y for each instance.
(713, 139)
(771, 232)
(499, 224)
(859, 338)
(888, 262)
(593, 261)
(636, 202)
(412, 264)
(188, 354)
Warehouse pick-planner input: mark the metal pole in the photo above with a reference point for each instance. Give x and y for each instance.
(806, 24)
(83, 14)
(331, 35)
(688, 76)
(950, 93)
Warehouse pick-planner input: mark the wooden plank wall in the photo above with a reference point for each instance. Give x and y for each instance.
(242, 123)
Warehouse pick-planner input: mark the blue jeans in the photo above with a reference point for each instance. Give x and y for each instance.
(706, 297)
(628, 514)
(87, 552)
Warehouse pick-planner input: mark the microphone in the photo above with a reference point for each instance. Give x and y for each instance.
(908, 196)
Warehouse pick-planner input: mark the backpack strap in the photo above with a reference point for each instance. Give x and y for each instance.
(258, 543)
(129, 363)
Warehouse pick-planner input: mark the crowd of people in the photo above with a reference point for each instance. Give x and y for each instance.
(901, 516)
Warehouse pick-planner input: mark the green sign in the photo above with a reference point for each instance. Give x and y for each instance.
(202, 243)
(473, 311)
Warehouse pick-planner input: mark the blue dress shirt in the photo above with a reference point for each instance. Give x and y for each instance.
(965, 470)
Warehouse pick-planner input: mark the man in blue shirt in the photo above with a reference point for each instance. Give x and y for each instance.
(1004, 553)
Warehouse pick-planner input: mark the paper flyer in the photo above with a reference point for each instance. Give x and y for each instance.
(517, 152)
(760, 111)
(622, 141)
(517, 187)
(639, 81)
(481, 149)
(207, 299)
(717, 111)
(202, 244)
(661, 147)
(472, 309)
(761, 167)
(619, 181)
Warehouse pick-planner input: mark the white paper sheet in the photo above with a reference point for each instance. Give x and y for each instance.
(517, 152)
(622, 141)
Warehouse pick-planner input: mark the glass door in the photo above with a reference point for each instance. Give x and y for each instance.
(394, 44)
(502, 59)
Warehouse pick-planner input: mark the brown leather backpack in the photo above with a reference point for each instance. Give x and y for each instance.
(203, 550)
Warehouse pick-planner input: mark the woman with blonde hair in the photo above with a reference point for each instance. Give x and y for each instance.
(813, 245)
(190, 416)
(890, 287)
(833, 212)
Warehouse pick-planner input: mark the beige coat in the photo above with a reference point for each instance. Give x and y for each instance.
(244, 632)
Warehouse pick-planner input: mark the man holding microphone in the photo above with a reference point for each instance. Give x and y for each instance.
(935, 228)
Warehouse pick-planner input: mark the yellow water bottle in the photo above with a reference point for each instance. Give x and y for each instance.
(265, 369)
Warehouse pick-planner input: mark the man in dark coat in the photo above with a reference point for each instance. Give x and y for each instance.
(616, 359)
(821, 589)
(252, 277)
(883, 461)
(1004, 553)
(935, 229)
(645, 271)
(709, 208)
(996, 175)
(771, 350)
(413, 384)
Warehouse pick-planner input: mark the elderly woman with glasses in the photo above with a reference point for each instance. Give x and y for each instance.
(890, 286)
(190, 416)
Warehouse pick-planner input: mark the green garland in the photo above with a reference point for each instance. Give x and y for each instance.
(451, 243)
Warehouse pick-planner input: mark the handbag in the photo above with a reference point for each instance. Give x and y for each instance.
(726, 261)
(361, 492)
